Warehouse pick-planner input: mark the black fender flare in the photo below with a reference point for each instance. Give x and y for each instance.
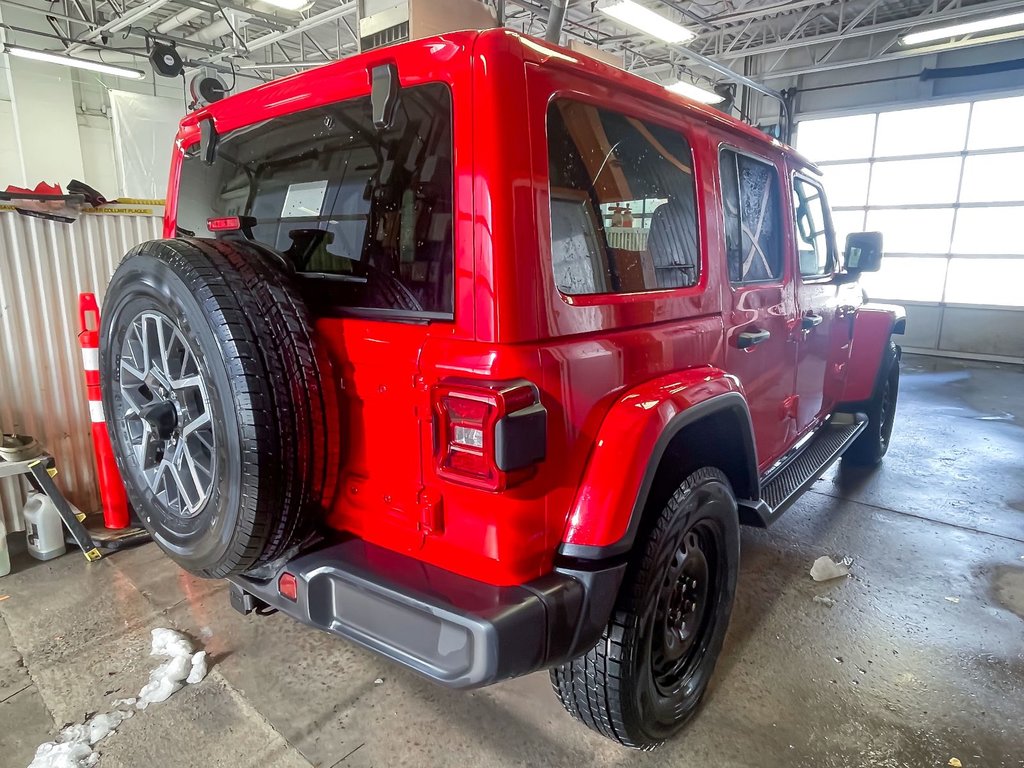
(744, 477)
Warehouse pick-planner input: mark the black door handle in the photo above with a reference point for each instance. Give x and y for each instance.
(749, 339)
(811, 321)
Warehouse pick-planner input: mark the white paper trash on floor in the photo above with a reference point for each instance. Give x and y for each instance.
(826, 569)
(73, 747)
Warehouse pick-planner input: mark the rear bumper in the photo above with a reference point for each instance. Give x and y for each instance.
(454, 630)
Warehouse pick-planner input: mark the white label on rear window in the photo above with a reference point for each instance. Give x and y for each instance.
(304, 199)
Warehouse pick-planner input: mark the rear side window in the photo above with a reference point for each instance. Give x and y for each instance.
(750, 197)
(365, 215)
(623, 211)
(813, 243)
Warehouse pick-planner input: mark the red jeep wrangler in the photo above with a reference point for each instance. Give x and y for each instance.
(478, 352)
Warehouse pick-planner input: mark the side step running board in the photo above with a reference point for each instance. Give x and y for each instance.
(785, 483)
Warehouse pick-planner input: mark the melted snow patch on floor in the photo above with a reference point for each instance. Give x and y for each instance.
(73, 747)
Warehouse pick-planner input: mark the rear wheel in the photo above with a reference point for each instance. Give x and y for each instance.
(214, 402)
(873, 443)
(647, 675)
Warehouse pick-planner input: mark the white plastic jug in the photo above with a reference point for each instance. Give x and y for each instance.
(5, 556)
(43, 527)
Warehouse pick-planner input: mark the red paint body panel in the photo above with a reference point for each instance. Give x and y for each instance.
(601, 511)
(872, 329)
(611, 369)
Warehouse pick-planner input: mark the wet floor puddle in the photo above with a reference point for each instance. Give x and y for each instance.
(1008, 588)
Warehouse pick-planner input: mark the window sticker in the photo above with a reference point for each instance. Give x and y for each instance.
(305, 199)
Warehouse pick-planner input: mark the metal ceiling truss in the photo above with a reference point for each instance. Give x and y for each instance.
(772, 38)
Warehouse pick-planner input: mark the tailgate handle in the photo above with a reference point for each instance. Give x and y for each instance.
(749, 339)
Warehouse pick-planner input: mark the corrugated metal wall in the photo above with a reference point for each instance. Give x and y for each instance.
(43, 267)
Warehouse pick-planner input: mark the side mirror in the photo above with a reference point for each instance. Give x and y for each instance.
(863, 252)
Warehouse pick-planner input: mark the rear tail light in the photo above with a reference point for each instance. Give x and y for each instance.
(230, 223)
(224, 224)
(488, 434)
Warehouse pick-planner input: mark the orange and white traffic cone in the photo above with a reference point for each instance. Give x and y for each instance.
(112, 493)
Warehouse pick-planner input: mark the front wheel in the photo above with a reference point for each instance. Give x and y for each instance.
(873, 443)
(649, 671)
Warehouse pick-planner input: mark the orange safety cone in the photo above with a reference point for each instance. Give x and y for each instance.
(112, 493)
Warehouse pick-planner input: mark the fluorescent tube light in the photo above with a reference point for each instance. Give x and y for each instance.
(71, 61)
(695, 92)
(967, 28)
(288, 5)
(646, 20)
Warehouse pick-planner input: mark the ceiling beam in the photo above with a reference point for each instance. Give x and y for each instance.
(908, 53)
(303, 26)
(127, 19)
(949, 14)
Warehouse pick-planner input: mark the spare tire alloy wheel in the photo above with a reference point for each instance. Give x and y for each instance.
(216, 408)
(168, 416)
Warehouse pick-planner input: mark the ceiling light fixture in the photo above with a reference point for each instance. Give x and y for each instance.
(967, 28)
(646, 20)
(71, 61)
(695, 92)
(288, 5)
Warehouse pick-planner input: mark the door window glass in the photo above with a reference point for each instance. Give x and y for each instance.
(623, 207)
(751, 207)
(814, 248)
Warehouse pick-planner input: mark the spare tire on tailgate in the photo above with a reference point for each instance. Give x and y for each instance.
(216, 401)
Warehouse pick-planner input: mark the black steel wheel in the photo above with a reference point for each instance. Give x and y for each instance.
(216, 402)
(649, 672)
(873, 443)
(682, 611)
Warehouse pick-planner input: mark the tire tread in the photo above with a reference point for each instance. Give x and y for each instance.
(593, 687)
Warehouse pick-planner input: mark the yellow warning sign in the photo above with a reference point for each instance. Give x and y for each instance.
(120, 211)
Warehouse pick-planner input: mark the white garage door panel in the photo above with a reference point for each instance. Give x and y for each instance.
(943, 185)
(985, 331)
(923, 324)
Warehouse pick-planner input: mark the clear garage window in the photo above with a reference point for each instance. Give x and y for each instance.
(623, 210)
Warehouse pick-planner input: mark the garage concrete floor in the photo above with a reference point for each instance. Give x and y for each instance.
(920, 660)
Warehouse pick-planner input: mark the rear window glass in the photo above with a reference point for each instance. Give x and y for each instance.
(623, 210)
(365, 214)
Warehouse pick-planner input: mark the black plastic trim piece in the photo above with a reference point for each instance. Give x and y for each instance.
(242, 601)
(454, 630)
(521, 438)
(853, 430)
(755, 512)
(730, 401)
(208, 140)
(384, 94)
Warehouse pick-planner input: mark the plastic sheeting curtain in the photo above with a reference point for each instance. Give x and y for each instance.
(144, 129)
